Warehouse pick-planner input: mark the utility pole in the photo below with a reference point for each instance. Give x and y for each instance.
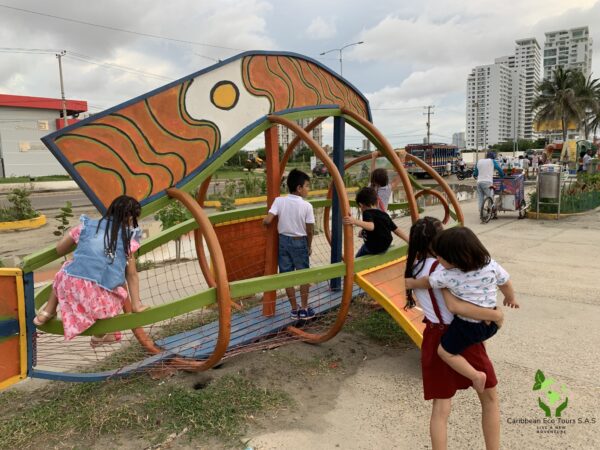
(476, 105)
(62, 86)
(429, 113)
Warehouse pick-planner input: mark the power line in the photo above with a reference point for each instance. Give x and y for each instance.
(397, 109)
(84, 58)
(106, 27)
(28, 50)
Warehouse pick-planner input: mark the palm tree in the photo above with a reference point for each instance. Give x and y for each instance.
(587, 92)
(557, 100)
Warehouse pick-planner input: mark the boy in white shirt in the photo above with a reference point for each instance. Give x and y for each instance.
(296, 228)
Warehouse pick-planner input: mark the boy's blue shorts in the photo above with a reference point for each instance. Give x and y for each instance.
(293, 253)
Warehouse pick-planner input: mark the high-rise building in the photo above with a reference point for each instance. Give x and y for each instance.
(570, 49)
(366, 145)
(458, 139)
(495, 104)
(528, 59)
(286, 135)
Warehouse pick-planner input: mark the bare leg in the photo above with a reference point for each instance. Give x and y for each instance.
(438, 425)
(462, 366)
(291, 293)
(490, 418)
(49, 309)
(304, 295)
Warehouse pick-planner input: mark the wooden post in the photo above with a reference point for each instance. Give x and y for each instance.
(273, 183)
(336, 216)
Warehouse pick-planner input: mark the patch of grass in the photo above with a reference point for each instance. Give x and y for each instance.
(229, 174)
(77, 413)
(219, 410)
(376, 324)
(28, 179)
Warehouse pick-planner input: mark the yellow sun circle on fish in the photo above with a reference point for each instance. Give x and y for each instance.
(224, 95)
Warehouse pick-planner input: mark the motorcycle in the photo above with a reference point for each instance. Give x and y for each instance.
(467, 173)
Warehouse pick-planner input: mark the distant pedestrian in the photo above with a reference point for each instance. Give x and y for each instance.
(587, 159)
(535, 160)
(525, 166)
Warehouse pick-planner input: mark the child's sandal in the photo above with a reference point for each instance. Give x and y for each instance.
(108, 338)
(42, 317)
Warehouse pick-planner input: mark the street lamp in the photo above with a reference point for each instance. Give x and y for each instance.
(341, 50)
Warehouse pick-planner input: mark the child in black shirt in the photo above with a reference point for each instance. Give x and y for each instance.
(377, 226)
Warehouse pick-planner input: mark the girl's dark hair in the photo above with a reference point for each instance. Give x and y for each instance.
(422, 234)
(117, 216)
(367, 196)
(461, 248)
(296, 178)
(379, 177)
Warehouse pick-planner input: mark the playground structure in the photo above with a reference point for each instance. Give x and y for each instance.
(223, 295)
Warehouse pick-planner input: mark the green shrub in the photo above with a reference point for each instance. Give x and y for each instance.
(20, 206)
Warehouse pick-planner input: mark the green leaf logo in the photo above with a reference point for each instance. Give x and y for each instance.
(539, 379)
(549, 396)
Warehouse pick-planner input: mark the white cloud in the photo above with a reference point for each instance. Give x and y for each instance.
(320, 28)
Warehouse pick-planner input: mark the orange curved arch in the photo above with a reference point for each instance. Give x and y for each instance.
(389, 153)
(442, 200)
(327, 209)
(460, 218)
(348, 240)
(222, 288)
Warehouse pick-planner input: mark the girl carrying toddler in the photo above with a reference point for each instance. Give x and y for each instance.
(440, 381)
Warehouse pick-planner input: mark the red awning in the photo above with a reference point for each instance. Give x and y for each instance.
(22, 101)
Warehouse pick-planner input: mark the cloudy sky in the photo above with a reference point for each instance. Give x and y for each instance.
(414, 53)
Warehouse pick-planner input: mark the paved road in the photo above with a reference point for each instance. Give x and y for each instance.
(53, 201)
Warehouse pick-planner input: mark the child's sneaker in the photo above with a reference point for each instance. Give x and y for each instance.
(306, 314)
(294, 314)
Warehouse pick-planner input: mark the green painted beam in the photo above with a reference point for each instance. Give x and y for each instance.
(241, 288)
(148, 317)
(41, 258)
(42, 296)
(267, 283)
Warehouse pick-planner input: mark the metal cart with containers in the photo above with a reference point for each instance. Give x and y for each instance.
(508, 194)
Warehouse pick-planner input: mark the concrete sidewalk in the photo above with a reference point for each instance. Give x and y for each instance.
(40, 186)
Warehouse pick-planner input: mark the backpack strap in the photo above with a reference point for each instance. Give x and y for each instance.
(434, 302)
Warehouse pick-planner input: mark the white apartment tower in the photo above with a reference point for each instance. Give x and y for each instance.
(528, 59)
(571, 49)
(458, 139)
(495, 104)
(286, 135)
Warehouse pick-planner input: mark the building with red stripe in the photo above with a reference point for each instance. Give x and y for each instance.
(23, 121)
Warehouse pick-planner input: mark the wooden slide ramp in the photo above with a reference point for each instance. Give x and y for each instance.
(385, 284)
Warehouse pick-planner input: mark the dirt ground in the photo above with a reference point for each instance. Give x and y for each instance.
(352, 394)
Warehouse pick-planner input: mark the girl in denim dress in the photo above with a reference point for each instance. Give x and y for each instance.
(94, 284)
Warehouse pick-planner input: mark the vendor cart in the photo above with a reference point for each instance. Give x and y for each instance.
(507, 194)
